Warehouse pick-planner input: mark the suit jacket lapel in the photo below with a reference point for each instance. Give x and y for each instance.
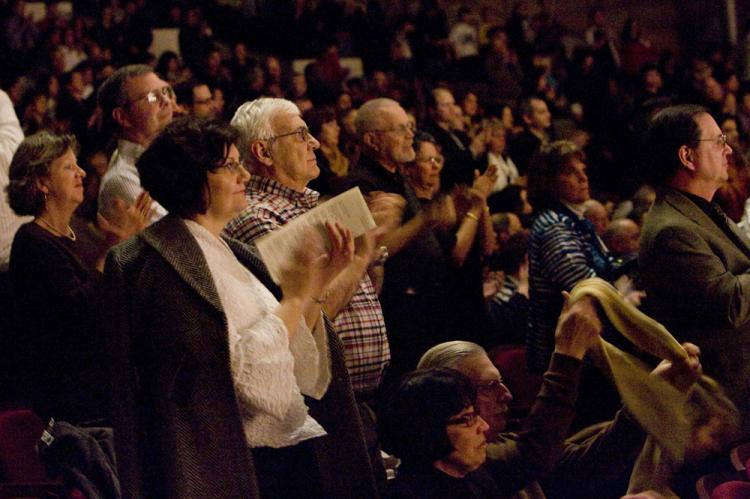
(172, 240)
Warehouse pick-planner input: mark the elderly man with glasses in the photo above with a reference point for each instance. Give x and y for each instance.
(277, 147)
(137, 104)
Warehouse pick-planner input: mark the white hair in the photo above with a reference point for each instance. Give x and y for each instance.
(449, 354)
(370, 114)
(253, 120)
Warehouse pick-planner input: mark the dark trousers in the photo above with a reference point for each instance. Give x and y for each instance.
(289, 472)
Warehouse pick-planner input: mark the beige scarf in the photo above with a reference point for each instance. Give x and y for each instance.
(668, 415)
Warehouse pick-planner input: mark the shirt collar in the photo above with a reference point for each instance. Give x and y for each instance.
(307, 198)
(128, 149)
(575, 208)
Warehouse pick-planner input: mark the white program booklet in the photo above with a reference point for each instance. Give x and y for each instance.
(348, 208)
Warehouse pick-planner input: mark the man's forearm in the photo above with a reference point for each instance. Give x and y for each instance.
(340, 291)
(397, 239)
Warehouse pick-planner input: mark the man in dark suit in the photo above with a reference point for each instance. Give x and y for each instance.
(537, 120)
(454, 144)
(695, 264)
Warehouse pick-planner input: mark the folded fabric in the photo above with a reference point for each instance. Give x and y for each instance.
(668, 415)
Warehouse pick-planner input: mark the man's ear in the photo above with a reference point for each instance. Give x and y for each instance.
(686, 157)
(120, 117)
(370, 141)
(261, 153)
(526, 119)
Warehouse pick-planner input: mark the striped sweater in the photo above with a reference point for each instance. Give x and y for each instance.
(563, 249)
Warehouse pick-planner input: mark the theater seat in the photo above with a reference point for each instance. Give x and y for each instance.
(510, 360)
(708, 485)
(732, 490)
(21, 471)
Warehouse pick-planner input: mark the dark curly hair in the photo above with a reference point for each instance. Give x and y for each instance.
(174, 168)
(30, 163)
(413, 424)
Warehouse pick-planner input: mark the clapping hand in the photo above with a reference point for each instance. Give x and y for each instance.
(131, 218)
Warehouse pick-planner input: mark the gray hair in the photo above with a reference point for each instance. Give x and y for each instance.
(449, 354)
(370, 114)
(253, 120)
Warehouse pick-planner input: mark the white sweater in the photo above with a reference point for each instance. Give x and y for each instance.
(270, 372)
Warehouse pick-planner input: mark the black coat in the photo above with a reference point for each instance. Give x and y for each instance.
(178, 430)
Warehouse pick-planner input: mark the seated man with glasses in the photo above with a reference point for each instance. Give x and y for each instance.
(137, 104)
(596, 460)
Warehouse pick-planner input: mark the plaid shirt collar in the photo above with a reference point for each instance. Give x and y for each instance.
(307, 198)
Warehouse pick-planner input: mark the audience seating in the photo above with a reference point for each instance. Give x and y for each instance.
(21, 471)
(510, 360)
(740, 456)
(708, 486)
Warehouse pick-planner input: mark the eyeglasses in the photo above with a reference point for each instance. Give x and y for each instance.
(720, 141)
(468, 420)
(435, 160)
(302, 133)
(234, 166)
(163, 93)
(403, 128)
(491, 387)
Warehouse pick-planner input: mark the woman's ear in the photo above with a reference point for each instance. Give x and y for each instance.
(42, 186)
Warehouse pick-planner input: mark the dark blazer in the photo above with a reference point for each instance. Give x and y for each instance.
(178, 431)
(697, 280)
(459, 162)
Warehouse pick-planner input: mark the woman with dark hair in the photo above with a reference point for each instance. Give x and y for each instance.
(209, 366)
(430, 423)
(58, 351)
(563, 245)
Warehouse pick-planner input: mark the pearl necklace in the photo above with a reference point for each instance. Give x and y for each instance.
(70, 235)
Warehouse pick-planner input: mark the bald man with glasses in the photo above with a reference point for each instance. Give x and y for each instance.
(414, 296)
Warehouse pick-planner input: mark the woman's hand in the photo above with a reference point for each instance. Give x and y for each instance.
(134, 218)
(483, 183)
(312, 266)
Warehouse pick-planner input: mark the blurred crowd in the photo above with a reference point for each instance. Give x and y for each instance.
(501, 159)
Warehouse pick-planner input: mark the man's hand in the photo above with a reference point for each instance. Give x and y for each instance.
(682, 374)
(387, 210)
(440, 212)
(578, 327)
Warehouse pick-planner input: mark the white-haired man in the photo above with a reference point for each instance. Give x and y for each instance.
(276, 145)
